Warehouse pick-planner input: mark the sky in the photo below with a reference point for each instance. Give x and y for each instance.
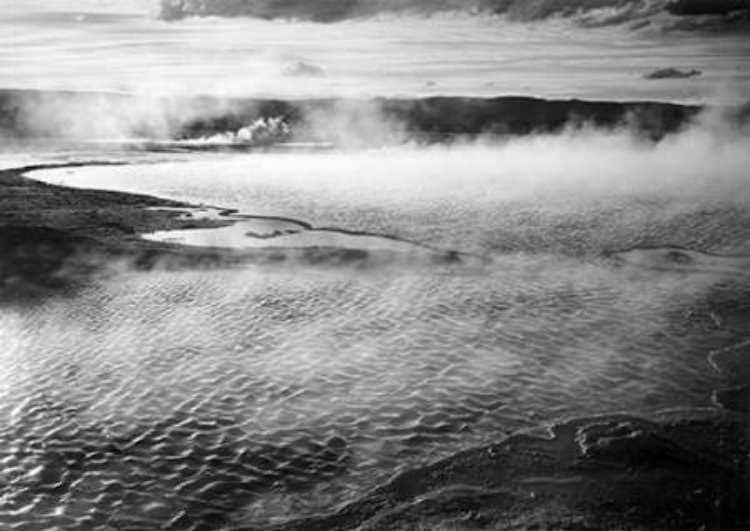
(123, 46)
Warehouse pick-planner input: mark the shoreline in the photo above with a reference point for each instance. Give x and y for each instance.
(53, 236)
(610, 471)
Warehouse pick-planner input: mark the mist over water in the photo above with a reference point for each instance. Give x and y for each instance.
(285, 391)
(472, 196)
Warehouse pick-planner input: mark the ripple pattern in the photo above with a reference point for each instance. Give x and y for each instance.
(198, 400)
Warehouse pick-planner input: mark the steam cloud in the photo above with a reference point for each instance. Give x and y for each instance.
(706, 161)
(263, 131)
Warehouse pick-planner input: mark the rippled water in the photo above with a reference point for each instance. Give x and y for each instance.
(152, 396)
(187, 399)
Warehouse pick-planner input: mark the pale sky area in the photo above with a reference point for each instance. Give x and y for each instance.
(123, 46)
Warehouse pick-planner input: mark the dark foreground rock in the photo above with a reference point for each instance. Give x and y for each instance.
(616, 472)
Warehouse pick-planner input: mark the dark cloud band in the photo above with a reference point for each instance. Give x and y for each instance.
(735, 13)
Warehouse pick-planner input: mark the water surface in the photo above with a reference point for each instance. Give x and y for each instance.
(260, 394)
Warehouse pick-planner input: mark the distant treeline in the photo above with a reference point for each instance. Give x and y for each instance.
(74, 115)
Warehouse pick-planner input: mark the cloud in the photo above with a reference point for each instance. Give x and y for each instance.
(728, 15)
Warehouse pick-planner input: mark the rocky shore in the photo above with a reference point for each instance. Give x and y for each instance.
(52, 236)
(614, 472)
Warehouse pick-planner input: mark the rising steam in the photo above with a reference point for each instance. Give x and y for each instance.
(261, 132)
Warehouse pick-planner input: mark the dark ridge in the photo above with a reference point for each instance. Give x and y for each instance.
(447, 118)
(522, 115)
(67, 115)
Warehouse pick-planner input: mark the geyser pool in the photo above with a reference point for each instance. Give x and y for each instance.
(261, 393)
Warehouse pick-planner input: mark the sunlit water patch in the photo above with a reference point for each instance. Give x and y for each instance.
(262, 234)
